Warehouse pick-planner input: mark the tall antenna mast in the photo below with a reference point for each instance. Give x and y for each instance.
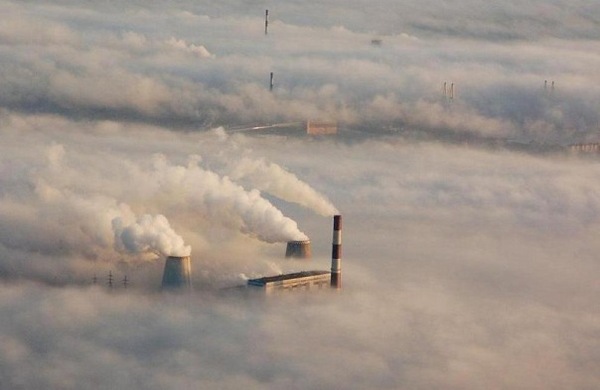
(110, 279)
(451, 91)
(125, 281)
(266, 21)
(445, 90)
(271, 82)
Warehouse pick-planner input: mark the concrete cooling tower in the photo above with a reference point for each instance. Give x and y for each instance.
(298, 249)
(177, 273)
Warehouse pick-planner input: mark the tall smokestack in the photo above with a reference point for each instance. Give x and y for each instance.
(336, 253)
(271, 82)
(177, 273)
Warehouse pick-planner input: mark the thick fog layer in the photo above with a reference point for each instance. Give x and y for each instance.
(520, 71)
(130, 133)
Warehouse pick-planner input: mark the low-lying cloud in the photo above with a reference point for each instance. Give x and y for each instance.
(195, 66)
(464, 266)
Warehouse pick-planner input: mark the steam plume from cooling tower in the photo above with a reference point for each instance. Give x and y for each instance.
(264, 220)
(274, 179)
(223, 201)
(149, 234)
(266, 176)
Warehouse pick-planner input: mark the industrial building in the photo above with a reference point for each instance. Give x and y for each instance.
(308, 280)
(592, 147)
(321, 127)
(305, 280)
(177, 271)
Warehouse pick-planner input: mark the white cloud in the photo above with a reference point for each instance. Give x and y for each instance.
(197, 50)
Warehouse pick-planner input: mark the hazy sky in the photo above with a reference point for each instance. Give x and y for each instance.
(464, 267)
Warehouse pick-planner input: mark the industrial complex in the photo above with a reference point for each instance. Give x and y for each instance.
(309, 280)
(177, 271)
(591, 147)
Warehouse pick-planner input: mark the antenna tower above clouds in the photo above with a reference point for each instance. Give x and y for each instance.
(266, 21)
(549, 91)
(448, 92)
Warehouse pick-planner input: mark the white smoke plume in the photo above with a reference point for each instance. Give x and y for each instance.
(274, 179)
(149, 234)
(240, 163)
(223, 201)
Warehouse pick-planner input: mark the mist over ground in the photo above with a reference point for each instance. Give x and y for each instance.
(463, 266)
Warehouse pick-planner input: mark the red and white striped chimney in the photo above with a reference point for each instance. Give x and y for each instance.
(336, 253)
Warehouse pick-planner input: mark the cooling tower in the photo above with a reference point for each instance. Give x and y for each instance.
(298, 249)
(177, 273)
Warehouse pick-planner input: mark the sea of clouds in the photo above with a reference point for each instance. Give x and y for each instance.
(464, 267)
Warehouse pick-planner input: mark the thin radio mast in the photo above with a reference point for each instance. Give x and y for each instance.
(266, 21)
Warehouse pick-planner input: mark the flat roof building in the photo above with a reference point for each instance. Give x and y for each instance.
(321, 127)
(305, 280)
(591, 147)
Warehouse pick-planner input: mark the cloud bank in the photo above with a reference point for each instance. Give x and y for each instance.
(464, 267)
(197, 65)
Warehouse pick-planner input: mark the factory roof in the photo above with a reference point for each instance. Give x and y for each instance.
(281, 278)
